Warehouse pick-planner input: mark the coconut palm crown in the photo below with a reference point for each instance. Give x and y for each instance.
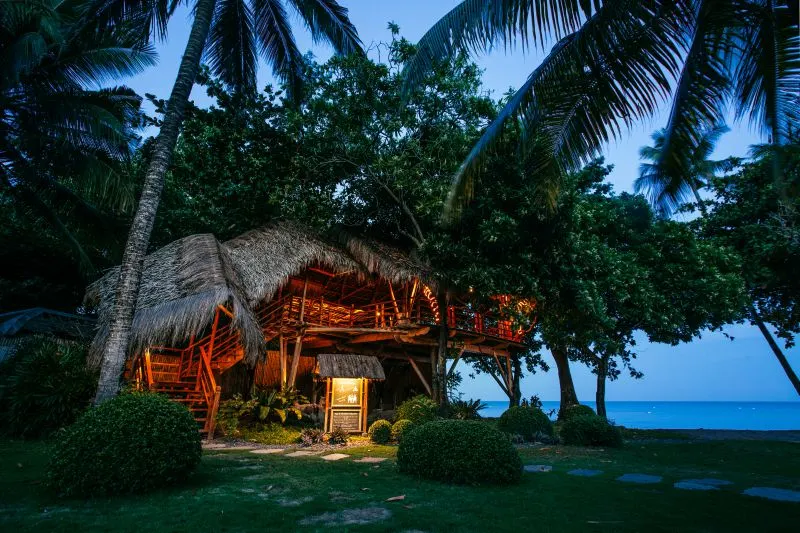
(615, 62)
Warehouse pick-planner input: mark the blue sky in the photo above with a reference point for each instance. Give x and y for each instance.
(712, 368)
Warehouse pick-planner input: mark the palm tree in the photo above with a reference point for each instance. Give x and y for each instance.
(667, 192)
(231, 34)
(61, 139)
(615, 62)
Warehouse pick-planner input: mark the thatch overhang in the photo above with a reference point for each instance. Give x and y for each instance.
(347, 365)
(182, 285)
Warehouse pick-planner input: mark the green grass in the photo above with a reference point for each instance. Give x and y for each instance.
(239, 491)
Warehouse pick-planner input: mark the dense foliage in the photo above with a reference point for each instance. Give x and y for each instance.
(461, 452)
(418, 410)
(466, 409)
(527, 422)
(265, 407)
(132, 443)
(44, 386)
(590, 430)
(380, 432)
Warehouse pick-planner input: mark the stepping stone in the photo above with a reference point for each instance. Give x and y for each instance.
(214, 445)
(299, 453)
(642, 479)
(708, 481)
(264, 451)
(538, 468)
(370, 460)
(689, 485)
(584, 473)
(770, 493)
(335, 456)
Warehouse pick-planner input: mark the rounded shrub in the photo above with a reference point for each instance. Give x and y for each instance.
(459, 451)
(575, 410)
(527, 422)
(419, 409)
(132, 443)
(400, 428)
(380, 432)
(590, 430)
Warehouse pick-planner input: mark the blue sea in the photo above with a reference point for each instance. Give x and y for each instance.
(689, 415)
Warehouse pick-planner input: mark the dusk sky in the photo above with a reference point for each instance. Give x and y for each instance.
(713, 368)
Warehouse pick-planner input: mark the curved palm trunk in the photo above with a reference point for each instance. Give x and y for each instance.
(115, 350)
(568, 395)
(790, 373)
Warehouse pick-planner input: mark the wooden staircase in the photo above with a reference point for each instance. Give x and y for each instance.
(189, 375)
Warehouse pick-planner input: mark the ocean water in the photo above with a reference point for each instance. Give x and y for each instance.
(689, 415)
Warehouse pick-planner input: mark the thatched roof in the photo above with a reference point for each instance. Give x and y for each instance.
(348, 365)
(186, 280)
(39, 320)
(182, 285)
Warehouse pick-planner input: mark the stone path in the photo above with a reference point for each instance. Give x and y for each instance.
(299, 453)
(334, 456)
(538, 468)
(266, 451)
(771, 493)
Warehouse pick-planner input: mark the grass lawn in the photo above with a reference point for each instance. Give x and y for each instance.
(240, 491)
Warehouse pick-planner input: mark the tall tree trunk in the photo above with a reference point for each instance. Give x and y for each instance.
(600, 393)
(516, 392)
(116, 348)
(790, 373)
(568, 395)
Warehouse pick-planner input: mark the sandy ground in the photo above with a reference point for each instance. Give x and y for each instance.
(736, 434)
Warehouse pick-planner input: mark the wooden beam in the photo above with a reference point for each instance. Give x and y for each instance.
(420, 375)
(225, 310)
(455, 362)
(394, 301)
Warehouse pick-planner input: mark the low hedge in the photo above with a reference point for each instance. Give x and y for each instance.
(380, 432)
(461, 452)
(590, 430)
(419, 410)
(575, 410)
(130, 444)
(400, 428)
(527, 422)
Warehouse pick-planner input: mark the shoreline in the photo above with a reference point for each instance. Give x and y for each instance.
(783, 435)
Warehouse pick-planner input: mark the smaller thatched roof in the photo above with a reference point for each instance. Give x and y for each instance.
(349, 365)
(39, 320)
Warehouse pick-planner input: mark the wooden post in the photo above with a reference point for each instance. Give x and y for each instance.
(282, 359)
(298, 345)
(148, 368)
(365, 404)
(394, 301)
(211, 414)
(327, 403)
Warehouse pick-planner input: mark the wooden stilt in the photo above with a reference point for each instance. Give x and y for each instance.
(421, 376)
(282, 359)
(327, 403)
(365, 408)
(298, 346)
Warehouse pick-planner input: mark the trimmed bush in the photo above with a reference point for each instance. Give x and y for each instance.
(527, 422)
(44, 386)
(380, 432)
(419, 409)
(590, 430)
(400, 428)
(130, 444)
(459, 451)
(575, 410)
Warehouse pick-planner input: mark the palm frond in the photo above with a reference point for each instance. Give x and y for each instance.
(592, 86)
(767, 78)
(327, 20)
(476, 26)
(277, 44)
(231, 48)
